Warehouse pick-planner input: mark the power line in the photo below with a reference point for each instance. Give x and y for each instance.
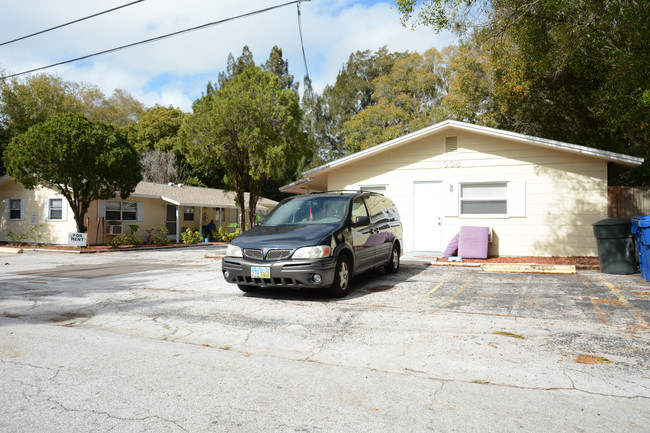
(302, 45)
(71, 22)
(157, 38)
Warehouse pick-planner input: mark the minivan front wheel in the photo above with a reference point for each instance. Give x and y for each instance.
(342, 277)
(392, 267)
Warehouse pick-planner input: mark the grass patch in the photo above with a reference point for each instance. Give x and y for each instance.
(592, 359)
(509, 334)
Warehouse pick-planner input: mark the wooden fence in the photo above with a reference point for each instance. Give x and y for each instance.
(628, 202)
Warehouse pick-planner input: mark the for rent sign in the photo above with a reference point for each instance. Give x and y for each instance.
(78, 239)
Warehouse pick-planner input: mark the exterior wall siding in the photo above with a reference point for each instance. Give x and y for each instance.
(565, 193)
(56, 232)
(50, 231)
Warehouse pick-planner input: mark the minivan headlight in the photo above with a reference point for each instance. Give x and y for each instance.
(316, 252)
(234, 251)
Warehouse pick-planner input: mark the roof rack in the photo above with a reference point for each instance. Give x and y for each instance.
(345, 191)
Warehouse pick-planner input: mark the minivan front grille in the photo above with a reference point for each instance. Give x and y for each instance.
(253, 254)
(278, 254)
(256, 254)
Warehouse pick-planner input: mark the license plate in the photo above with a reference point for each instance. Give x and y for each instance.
(260, 272)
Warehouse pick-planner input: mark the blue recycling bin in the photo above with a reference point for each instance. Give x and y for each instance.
(641, 231)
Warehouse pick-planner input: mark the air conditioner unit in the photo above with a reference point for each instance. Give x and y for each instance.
(115, 230)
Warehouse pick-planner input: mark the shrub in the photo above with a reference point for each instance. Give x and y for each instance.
(32, 234)
(160, 238)
(222, 236)
(125, 240)
(190, 237)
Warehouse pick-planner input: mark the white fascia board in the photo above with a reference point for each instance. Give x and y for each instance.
(298, 182)
(169, 200)
(378, 148)
(560, 145)
(144, 196)
(575, 148)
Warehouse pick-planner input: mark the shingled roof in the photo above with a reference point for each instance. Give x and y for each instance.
(184, 195)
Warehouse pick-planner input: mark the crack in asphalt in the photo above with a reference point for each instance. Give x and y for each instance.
(115, 417)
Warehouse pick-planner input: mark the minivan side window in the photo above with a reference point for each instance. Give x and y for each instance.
(358, 208)
(376, 209)
(391, 209)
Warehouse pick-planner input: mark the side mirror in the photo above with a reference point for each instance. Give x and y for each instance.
(260, 221)
(361, 221)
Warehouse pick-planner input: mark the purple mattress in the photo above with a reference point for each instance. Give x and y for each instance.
(473, 242)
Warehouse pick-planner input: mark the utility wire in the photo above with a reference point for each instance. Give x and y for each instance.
(71, 22)
(302, 45)
(157, 38)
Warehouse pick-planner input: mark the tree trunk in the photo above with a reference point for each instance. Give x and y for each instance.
(79, 219)
(242, 211)
(252, 206)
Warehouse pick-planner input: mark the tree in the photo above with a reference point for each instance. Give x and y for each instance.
(28, 101)
(280, 67)
(120, 109)
(162, 167)
(81, 159)
(351, 93)
(406, 99)
(573, 70)
(233, 67)
(157, 129)
(252, 129)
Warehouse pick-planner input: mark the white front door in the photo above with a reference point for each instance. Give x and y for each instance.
(427, 216)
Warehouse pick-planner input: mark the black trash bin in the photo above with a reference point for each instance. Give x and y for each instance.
(615, 246)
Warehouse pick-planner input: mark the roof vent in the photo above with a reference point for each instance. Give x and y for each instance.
(171, 184)
(451, 144)
(180, 185)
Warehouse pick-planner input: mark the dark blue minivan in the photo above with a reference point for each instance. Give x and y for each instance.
(317, 241)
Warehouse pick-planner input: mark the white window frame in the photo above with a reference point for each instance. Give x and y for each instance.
(122, 210)
(8, 209)
(503, 198)
(515, 199)
(48, 209)
(186, 213)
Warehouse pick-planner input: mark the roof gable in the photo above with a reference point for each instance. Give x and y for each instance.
(618, 158)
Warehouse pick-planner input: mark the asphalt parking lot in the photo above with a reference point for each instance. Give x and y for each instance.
(157, 341)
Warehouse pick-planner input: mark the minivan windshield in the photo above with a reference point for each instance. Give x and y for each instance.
(310, 210)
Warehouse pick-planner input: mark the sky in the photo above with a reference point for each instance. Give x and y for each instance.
(175, 71)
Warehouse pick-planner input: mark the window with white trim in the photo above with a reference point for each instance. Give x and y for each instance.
(15, 209)
(55, 209)
(117, 210)
(188, 213)
(484, 199)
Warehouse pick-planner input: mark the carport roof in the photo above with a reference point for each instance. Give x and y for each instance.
(316, 178)
(184, 195)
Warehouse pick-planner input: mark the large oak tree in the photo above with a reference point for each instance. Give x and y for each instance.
(570, 70)
(83, 160)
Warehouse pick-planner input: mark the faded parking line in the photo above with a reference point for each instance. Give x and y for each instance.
(460, 290)
(635, 312)
(594, 304)
(441, 283)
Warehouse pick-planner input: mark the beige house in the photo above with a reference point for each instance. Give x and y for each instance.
(539, 197)
(151, 206)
